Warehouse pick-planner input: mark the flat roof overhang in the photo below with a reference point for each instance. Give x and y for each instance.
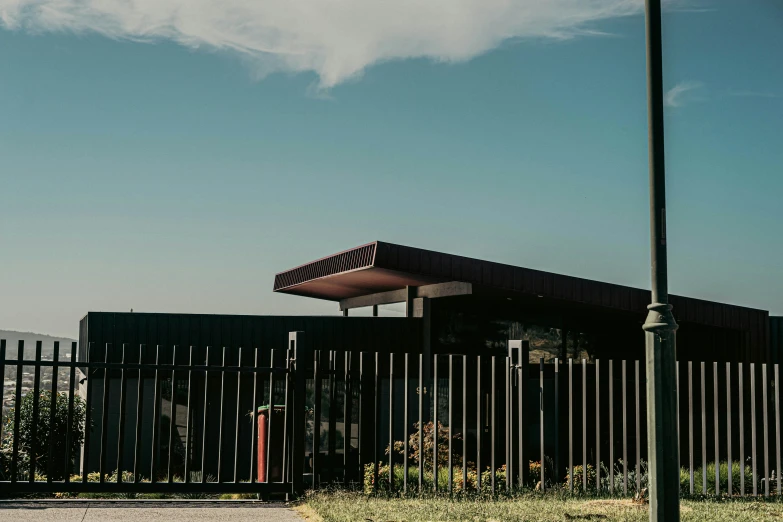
(385, 267)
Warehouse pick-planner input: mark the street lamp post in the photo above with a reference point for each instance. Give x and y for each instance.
(660, 326)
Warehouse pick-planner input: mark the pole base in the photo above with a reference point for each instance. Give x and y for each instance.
(663, 443)
(660, 319)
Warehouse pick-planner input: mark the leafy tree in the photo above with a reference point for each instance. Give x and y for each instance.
(46, 430)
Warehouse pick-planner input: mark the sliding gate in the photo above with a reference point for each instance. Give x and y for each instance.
(152, 419)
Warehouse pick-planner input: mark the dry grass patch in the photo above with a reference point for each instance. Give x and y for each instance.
(308, 513)
(529, 507)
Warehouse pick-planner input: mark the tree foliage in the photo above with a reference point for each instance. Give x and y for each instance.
(48, 428)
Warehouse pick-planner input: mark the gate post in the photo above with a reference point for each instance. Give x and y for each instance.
(301, 354)
(519, 354)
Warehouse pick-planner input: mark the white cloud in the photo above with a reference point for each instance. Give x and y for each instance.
(336, 39)
(681, 93)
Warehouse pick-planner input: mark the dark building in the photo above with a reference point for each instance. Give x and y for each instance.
(473, 304)
(454, 305)
(776, 337)
(212, 415)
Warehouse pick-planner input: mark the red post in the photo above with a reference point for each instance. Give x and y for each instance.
(272, 439)
(263, 418)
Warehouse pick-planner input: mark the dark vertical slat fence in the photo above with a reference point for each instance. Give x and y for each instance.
(105, 414)
(451, 423)
(155, 418)
(507, 424)
(121, 428)
(317, 387)
(107, 371)
(703, 433)
(391, 422)
(2, 377)
(287, 418)
(52, 410)
(625, 433)
(17, 412)
(421, 391)
(524, 357)
(405, 448)
(541, 419)
(220, 422)
(139, 412)
(68, 436)
(776, 390)
(753, 427)
(584, 425)
(479, 424)
(716, 429)
(690, 424)
(270, 416)
(499, 438)
(332, 435)
(556, 476)
(189, 423)
(173, 414)
(741, 388)
(493, 434)
(348, 419)
(729, 393)
(598, 426)
(435, 389)
(638, 430)
(464, 421)
(204, 418)
(571, 425)
(766, 431)
(36, 407)
(611, 428)
(236, 421)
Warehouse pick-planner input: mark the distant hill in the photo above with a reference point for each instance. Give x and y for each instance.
(12, 339)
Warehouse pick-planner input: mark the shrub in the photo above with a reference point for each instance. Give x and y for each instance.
(428, 432)
(427, 480)
(46, 431)
(737, 470)
(579, 478)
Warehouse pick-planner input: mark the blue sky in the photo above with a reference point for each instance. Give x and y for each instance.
(177, 166)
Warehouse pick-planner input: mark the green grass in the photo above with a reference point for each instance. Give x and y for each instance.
(349, 507)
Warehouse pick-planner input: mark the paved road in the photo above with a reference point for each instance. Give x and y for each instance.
(138, 512)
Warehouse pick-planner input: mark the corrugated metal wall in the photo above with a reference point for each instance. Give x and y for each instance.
(747, 325)
(776, 338)
(248, 331)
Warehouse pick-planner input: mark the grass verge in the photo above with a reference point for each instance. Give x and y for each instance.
(350, 507)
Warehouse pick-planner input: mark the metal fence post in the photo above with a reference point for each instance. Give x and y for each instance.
(571, 425)
(556, 474)
(597, 426)
(301, 354)
(753, 426)
(541, 419)
(728, 427)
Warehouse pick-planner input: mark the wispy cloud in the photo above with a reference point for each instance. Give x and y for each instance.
(681, 93)
(335, 39)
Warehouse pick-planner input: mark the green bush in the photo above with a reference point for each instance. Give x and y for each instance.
(46, 431)
(428, 432)
(737, 469)
(579, 477)
(427, 480)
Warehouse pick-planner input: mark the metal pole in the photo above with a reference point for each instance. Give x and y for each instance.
(660, 326)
